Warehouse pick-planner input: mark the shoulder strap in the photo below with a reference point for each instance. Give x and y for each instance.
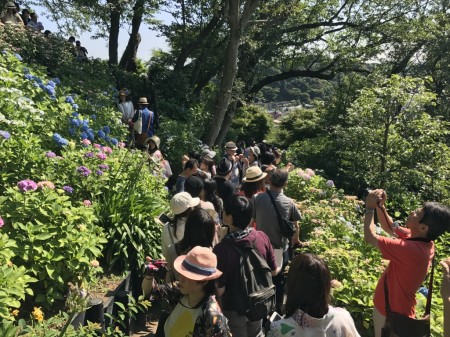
(386, 295)
(430, 287)
(280, 218)
(170, 233)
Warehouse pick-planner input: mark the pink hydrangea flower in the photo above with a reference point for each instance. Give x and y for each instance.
(27, 185)
(87, 203)
(47, 184)
(121, 145)
(107, 149)
(310, 172)
(303, 174)
(97, 146)
(1, 222)
(86, 142)
(101, 156)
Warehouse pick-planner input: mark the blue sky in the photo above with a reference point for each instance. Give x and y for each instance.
(99, 48)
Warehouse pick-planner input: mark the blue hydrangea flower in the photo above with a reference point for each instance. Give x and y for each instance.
(75, 122)
(37, 79)
(56, 80)
(52, 84)
(70, 100)
(26, 70)
(29, 77)
(36, 84)
(101, 134)
(94, 117)
(114, 141)
(90, 134)
(108, 139)
(60, 140)
(75, 106)
(42, 86)
(18, 57)
(75, 114)
(423, 291)
(72, 132)
(83, 135)
(5, 134)
(106, 129)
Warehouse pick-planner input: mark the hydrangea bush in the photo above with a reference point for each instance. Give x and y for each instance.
(72, 198)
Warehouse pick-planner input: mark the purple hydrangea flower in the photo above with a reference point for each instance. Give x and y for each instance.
(103, 167)
(50, 154)
(101, 156)
(84, 171)
(89, 155)
(99, 172)
(330, 183)
(5, 134)
(68, 189)
(27, 185)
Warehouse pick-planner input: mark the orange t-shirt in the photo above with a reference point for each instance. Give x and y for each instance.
(407, 269)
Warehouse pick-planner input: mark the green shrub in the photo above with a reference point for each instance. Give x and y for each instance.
(14, 280)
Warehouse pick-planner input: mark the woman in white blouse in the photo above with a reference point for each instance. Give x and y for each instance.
(308, 309)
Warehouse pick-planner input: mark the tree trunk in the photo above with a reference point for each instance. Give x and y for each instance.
(128, 60)
(227, 123)
(114, 36)
(237, 24)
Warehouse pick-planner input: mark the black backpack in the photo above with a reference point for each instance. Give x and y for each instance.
(254, 293)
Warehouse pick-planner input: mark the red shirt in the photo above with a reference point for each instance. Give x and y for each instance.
(407, 269)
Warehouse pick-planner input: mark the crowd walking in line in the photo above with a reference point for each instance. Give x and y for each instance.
(234, 248)
(235, 213)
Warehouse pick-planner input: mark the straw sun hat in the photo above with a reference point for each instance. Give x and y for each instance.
(254, 173)
(200, 264)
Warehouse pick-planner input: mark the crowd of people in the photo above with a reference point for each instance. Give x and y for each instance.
(28, 19)
(224, 204)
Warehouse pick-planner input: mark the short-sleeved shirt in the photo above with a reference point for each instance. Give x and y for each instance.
(407, 269)
(148, 121)
(266, 216)
(228, 260)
